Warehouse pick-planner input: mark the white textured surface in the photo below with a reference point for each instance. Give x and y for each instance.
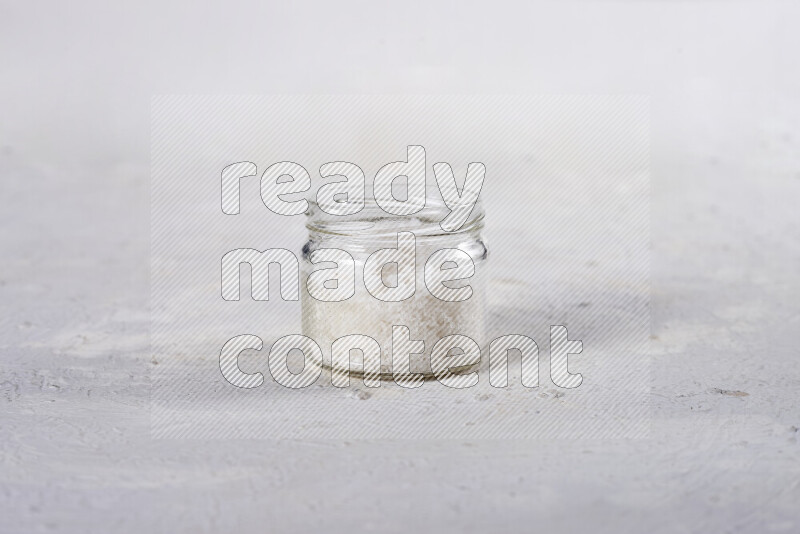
(75, 455)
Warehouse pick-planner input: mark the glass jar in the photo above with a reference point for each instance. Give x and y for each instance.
(427, 317)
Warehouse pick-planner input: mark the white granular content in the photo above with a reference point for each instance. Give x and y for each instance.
(428, 319)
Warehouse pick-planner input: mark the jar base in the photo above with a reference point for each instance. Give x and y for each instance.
(389, 377)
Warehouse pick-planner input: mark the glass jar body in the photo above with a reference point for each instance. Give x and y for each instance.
(427, 317)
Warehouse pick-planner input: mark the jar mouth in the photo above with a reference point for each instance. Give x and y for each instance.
(372, 221)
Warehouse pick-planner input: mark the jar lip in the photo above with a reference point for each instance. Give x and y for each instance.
(372, 222)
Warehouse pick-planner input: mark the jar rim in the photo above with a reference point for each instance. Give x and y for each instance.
(373, 221)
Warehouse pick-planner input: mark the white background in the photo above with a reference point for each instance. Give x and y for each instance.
(76, 80)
